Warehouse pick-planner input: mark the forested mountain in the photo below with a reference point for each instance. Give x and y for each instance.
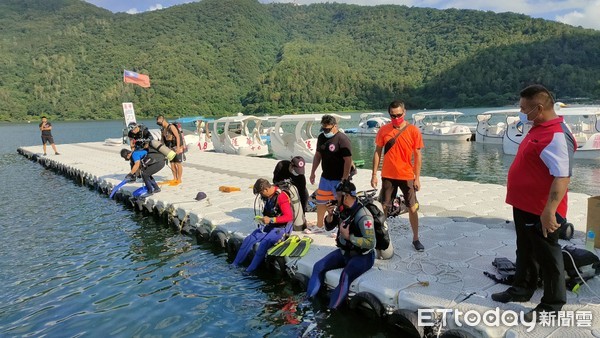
(65, 58)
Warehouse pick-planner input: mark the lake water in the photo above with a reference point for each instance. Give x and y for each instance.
(74, 263)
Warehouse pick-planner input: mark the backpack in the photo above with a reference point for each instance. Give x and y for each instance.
(382, 236)
(580, 265)
(292, 192)
(177, 126)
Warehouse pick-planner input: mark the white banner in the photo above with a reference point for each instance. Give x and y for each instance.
(128, 112)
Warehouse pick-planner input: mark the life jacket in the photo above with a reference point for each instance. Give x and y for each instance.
(271, 207)
(354, 229)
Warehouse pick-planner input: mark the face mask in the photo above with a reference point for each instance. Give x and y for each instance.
(294, 172)
(159, 123)
(328, 135)
(523, 116)
(397, 122)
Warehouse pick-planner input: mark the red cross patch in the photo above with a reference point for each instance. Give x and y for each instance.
(368, 224)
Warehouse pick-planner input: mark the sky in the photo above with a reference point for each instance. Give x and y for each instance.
(583, 13)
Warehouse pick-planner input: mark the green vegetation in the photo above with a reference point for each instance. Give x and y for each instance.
(65, 58)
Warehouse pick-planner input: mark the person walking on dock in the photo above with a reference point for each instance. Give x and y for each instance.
(276, 221)
(46, 129)
(334, 152)
(536, 187)
(400, 142)
(172, 139)
(355, 240)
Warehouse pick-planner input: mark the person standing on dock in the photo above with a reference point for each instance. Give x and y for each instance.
(401, 143)
(276, 221)
(46, 129)
(536, 187)
(171, 138)
(334, 151)
(293, 170)
(355, 240)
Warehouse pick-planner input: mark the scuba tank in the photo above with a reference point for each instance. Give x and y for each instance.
(161, 148)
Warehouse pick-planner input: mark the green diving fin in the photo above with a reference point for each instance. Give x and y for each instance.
(283, 246)
(302, 247)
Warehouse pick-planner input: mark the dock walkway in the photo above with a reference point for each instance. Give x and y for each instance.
(463, 225)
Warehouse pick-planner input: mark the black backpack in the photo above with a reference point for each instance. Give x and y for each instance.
(382, 236)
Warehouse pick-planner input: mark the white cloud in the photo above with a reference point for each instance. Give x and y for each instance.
(132, 11)
(155, 7)
(586, 17)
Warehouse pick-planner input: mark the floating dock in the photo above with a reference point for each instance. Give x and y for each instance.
(463, 225)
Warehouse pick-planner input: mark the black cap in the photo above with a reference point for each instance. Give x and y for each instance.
(298, 164)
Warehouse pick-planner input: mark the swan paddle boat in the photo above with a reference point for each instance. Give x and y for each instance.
(584, 123)
(239, 135)
(492, 133)
(292, 135)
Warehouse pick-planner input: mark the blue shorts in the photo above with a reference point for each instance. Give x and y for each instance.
(326, 191)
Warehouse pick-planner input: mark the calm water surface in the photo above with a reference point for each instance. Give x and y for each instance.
(74, 263)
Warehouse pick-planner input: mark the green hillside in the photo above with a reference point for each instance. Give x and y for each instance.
(65, 58)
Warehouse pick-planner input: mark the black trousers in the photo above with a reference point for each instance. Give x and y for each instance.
(535, 253)
(147, 173)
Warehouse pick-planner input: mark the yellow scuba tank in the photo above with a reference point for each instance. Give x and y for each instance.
(161, 148)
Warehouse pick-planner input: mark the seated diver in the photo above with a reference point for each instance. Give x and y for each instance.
(148, 161)
(276, 222)
(356, 242)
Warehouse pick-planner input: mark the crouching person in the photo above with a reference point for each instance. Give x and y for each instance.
(356, 242)
(148, 162)
(276, 221)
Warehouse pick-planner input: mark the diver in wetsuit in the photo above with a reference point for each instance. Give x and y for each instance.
(276, 222)
(148, 161)
(355, 240)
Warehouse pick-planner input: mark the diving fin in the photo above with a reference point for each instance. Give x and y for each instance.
(302, 247)
(117, 187)
(279, 248)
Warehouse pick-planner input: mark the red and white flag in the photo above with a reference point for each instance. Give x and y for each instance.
(135, 78)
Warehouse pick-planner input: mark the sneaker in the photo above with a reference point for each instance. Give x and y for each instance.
(418, 246)
(56, 153)
(313, 230)
(156, 190)
(506, 296)
(44, 154)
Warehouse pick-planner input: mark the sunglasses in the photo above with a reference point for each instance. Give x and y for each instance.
(396, 116)
(326, 130)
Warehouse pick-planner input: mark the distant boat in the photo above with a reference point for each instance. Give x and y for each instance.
(286, 144)
(204, 134)
(584, 123)
(492, 133)
(239, 135)
(441, 125)
(369, 124)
